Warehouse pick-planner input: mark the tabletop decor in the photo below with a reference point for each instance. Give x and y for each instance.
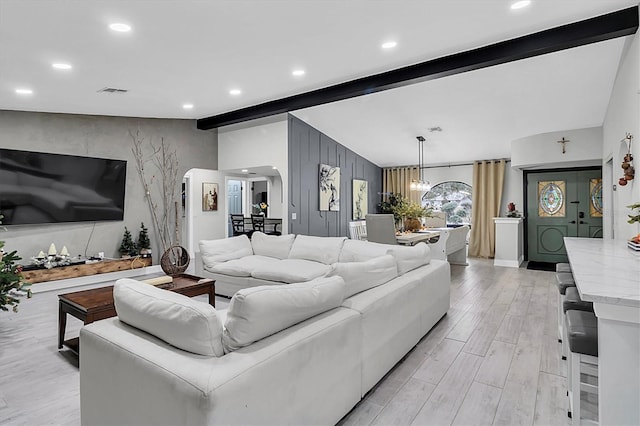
(261, 207)
(512, 211)
(411, 212)
(634, 242)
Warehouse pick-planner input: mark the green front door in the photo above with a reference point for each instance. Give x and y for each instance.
(562, 204)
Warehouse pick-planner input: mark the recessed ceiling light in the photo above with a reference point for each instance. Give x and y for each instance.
(24, 91)
(244, 170)
(187, 106)
(235, 92)
(61, 66)
(297, 73)
(389, 45)
(520, 4)
(120, 27)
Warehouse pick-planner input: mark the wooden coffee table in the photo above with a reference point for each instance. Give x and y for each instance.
(96, 304)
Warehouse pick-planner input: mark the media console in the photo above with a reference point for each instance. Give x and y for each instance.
(81, 270)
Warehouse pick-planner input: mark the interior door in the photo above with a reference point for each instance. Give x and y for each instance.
(234, 201)
(562, 204)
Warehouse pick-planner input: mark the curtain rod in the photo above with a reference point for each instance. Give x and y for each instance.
(506, 160)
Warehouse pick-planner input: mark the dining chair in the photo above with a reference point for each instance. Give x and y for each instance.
(237, 222)
(257, 222)
(381, 228)
(358, 230)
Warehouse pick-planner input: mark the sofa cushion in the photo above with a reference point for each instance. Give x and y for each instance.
(410, 257)
(277, 246)
(291, 271)
(319, 249)
(216, 251)
(244, 266)
(178, 320)
(361, 276)
(255, 313)
(359, 251)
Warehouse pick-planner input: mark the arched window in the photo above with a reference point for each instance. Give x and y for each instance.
(453, 198)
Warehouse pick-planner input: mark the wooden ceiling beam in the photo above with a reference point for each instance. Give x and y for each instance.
(605, 27)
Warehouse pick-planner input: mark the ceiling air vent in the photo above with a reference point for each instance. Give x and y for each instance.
(112, 90)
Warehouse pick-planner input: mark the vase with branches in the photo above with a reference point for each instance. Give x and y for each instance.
(160, 187)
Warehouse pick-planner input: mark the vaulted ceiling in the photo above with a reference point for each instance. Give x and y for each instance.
(195, 52)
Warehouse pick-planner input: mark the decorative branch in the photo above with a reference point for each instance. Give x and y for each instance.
(165, 160)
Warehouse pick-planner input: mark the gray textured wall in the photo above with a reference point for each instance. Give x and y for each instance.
(106, 137)
(308, 148)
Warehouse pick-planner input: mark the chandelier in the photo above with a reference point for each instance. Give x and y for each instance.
(420, 184)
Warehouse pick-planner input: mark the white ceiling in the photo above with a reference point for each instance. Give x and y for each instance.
(186, 51)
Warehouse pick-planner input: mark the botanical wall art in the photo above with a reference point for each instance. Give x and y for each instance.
(209, 196)
(329, 178)
(360, 199)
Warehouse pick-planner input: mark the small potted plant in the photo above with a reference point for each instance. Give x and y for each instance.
(634, 243)
(12, 285)
(511, 210)
(143, 243)
(127, 247)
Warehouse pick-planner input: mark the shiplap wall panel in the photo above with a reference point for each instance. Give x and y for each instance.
(308, 148)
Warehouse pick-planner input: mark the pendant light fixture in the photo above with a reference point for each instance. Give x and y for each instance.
(420, 184)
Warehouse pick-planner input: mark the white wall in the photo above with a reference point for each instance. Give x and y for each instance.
(544, 151)
(203, 225)
(255, 144)
(622, 117)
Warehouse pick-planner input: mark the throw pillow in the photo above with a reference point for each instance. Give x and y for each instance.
(319, 249)
(258, 312)
(361, 276)
(216, 251)
(185, 323)
(359, 251)
(277, 246)
(409, 258)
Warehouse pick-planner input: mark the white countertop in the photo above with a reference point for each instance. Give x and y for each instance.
(605, 271)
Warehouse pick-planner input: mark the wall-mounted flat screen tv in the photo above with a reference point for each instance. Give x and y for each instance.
(37, 187)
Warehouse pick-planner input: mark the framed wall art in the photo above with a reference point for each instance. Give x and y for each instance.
(360, 199)
(209, 196)
(329, 178)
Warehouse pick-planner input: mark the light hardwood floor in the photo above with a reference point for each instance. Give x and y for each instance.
(493, 359)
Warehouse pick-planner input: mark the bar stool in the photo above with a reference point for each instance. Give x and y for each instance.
(563, 281)
(582, 333)
(563, 267)
(572, 302)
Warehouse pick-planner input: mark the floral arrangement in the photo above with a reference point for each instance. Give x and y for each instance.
(262, 207)
(12, 285)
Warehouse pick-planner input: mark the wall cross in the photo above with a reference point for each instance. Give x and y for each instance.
(563, 142)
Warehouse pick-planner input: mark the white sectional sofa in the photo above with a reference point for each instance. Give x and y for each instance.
(298, 353)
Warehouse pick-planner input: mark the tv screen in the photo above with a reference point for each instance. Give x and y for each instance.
(37, 187)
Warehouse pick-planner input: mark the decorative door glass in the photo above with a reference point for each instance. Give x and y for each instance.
(595, 194)
(551, 198)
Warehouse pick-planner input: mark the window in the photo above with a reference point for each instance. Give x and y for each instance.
(453, 198)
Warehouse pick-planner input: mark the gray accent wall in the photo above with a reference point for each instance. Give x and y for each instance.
(308, 148)
(105, 137)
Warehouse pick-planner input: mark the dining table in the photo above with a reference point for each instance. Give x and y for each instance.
(413, 238)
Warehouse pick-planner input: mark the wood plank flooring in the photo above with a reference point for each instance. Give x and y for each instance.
(493, 359)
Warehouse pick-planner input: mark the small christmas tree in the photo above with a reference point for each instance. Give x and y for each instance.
(144, 244)
(127, 247)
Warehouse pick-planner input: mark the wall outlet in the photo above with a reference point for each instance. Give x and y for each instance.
(293, 216)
